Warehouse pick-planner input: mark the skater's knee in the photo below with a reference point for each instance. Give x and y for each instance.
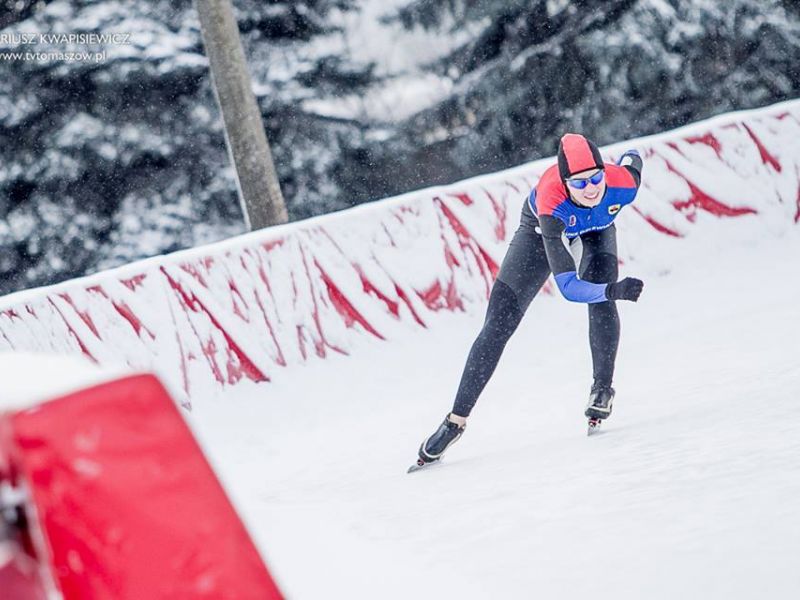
(503, 314)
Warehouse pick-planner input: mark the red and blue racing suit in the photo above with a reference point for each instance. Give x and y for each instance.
(575, 243)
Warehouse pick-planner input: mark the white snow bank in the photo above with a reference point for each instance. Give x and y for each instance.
(30, 378)
(212, 316)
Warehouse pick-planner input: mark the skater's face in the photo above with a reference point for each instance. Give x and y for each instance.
(587, 187)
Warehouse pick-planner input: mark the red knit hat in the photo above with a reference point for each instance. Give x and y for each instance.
(576, 154)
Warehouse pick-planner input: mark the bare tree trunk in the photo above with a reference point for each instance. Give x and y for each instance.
(256, 180)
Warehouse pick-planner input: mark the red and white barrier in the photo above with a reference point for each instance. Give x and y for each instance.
(240, 309)
(121, 503)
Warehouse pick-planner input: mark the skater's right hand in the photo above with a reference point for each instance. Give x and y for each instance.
(628, 289)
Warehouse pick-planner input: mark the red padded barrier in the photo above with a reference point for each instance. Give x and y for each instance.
(127, 504)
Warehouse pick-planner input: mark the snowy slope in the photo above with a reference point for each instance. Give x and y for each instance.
(690, 491)
(244, 309)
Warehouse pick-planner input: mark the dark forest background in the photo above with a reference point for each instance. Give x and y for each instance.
(105, 162)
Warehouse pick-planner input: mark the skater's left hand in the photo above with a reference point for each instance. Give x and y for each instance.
(628, 153)
(629, 288)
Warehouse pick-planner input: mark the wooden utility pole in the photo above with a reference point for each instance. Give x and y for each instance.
(256, 181)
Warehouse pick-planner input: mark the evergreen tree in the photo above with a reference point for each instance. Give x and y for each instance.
(530, 70)
(105, 162)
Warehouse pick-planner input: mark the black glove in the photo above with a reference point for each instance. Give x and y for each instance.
(627, 289)
(632, 152)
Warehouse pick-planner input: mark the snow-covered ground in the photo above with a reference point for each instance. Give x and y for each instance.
(690, 491)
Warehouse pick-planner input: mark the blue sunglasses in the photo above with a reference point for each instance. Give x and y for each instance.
(580, 184)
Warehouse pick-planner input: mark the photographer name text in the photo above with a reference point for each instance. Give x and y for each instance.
(19, 39)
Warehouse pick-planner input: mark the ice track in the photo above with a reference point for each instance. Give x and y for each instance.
(691, 490)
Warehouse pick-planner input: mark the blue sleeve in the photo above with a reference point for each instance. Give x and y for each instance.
(577, 290)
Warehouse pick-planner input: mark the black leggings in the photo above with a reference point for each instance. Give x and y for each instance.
(522, 275)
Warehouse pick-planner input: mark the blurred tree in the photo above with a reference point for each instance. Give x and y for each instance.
(525, 71)
(105, 162)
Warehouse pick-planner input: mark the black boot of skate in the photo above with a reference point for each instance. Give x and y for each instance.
(435, 445)
(601, 399)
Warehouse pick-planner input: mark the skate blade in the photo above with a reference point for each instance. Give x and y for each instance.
(594, 426)
(420, 464)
